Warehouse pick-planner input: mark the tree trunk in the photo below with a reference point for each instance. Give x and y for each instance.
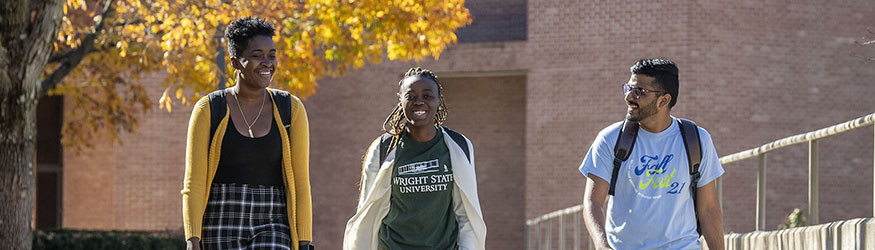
(16, 170)
(27, 32)
(220, 55)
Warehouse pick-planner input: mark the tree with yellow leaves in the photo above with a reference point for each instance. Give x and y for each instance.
(95, 52)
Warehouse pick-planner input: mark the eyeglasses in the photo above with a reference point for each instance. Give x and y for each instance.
(638, 91)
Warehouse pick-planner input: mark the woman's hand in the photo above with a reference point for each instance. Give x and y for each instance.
(302, 244)
(193, 244)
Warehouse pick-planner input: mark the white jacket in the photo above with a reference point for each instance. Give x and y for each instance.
(362, 229)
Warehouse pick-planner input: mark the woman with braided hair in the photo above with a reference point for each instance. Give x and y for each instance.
(418, 187)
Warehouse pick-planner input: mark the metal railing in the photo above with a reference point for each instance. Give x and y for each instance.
(812, 139)
(540, 230)
(543, 227)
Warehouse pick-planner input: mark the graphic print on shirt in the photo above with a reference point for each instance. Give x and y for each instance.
(419, 168)
(423, 177)
(654, 176)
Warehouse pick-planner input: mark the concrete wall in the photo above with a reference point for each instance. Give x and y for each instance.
(847, 234)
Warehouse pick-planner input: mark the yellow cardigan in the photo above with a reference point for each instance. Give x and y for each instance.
(200, 168)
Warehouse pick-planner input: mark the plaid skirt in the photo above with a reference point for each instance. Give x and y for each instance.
(242, 216)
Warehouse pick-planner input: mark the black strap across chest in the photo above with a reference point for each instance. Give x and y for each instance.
(219, 108)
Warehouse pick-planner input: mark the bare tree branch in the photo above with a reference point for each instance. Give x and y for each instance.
(79, 53)
(138, 21)
(63, 56)
(67, 55)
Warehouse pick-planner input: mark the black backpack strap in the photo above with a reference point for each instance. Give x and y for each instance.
(283, 102)
(218, 109)
(692, 143)
(385, 144)
(460, 140)
(622, 150)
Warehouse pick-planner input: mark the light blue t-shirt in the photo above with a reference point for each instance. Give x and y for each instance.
(652, 207)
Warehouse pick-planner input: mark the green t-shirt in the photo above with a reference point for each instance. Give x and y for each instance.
(421, 213)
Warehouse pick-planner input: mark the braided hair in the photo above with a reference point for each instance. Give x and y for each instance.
(396, 122)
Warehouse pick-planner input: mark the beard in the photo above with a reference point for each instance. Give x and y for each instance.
(643, 112)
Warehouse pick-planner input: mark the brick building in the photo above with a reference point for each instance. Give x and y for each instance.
(531, 83)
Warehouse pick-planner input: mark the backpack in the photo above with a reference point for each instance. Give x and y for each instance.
(218, 108)
(692, 143)
(386, 143)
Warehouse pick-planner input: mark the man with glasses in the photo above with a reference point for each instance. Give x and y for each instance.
(652, 203)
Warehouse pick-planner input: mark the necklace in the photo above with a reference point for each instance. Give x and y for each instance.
(249, 126)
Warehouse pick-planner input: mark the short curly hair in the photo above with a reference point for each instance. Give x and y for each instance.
(239, 32)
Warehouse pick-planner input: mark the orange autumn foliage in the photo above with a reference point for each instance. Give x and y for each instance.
(315, 38)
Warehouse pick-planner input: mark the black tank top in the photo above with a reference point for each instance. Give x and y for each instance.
(254, 161)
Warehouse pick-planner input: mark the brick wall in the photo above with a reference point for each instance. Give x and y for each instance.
(88, 186)
(150, 168)
(751, 72)
(490, 111)
(795, 68)
(133, 185)
(495, 21)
